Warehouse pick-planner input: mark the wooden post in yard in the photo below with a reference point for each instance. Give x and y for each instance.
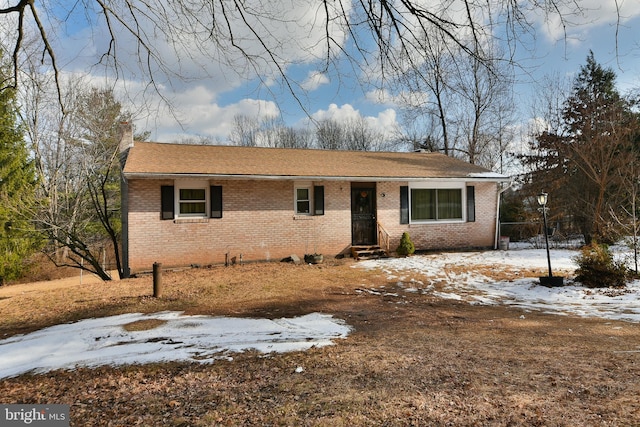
(157, 279)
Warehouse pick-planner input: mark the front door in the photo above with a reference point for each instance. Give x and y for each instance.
(363, 215)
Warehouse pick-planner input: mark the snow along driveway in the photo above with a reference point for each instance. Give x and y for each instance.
(419, 273)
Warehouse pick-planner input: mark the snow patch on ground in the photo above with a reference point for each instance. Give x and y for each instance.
(526, 293)
(177, 337)
(105, 341)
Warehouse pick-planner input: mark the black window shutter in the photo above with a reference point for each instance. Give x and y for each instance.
(471, 204)
(216, 201)
(404, 204)
(318, 200)
(167, 202)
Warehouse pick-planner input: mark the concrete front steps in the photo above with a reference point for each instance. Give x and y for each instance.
(368, 252)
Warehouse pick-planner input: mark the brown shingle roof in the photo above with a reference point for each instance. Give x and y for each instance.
(147, 160)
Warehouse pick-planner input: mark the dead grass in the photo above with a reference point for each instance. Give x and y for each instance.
(411, 360)
(143, 325)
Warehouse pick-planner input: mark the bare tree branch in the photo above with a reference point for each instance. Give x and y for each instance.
(385, 35)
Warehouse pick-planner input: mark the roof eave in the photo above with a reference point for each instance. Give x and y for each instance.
(469, 177)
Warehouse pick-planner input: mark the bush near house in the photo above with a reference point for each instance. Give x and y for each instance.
(598, 269)
(406, 246)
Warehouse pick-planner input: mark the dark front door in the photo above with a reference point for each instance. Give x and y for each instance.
(363, 215)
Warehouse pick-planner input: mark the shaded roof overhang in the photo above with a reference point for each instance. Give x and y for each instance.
(178, 161)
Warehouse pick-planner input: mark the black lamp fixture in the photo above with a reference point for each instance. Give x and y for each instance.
(549, 280)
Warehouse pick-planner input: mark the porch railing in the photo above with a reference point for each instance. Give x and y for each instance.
(383, 237)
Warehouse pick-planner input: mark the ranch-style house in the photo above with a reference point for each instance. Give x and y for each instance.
(202, 204)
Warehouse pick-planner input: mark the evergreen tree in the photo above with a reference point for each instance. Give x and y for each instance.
(17, 191)
(583, 164)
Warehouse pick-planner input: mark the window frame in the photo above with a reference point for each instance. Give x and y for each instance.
(315, 198)
(303, 186)
(191, 185)
(458, 186)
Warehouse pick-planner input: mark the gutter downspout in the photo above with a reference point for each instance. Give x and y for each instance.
(495, 244)
(126, 143)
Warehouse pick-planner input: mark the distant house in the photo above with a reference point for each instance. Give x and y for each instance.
(201, 204)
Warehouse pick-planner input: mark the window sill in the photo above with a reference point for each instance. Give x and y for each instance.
(444, 221)
(191, 220)
(300, 217)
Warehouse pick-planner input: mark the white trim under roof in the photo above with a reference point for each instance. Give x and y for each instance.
(475, 177)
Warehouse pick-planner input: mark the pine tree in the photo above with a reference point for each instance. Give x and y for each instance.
(17, 192)
(584, 163)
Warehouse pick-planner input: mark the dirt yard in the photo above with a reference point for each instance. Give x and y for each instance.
(416, 360)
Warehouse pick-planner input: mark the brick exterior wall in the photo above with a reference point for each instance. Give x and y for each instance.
(259, 223)
(441, 235)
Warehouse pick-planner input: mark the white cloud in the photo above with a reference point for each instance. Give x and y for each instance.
(314, 80)
(385, 121)
(401, 99)
(381, 96)
(343, 113)
(200, 115)
(197, 69)
(292, 32)
(592, 13)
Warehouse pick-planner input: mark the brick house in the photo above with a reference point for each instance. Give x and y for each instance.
(200, 204)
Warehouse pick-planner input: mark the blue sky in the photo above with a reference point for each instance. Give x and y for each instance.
(206, 104)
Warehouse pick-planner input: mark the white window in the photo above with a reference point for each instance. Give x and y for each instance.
(303, 200)
(436, 202)
(308, 198)
(192, 200)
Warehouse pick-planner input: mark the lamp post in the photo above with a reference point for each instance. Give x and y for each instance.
(549, 280)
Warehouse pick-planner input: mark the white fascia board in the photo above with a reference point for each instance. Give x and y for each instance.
(470, 177)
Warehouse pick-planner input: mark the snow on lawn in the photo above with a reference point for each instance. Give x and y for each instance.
(105, 341)
(177, 337)
(421, 273)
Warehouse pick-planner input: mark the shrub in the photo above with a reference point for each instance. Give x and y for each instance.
(598, 269)
(406, 246)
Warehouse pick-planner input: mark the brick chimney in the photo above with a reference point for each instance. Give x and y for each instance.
(126, 136)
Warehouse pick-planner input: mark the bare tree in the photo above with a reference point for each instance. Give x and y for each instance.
(626, 217)
(357, 135)
(546, 118)
(258, 36)
(501, 155)
(414, 134)
(462, 103)
(76, 153)
(289, 137)
(330, 135)
(57, 161)
(245, 131)
(484, 111)
(193, 140)
(269, 131)
(360, 135)
(433, 75)
(274, 133)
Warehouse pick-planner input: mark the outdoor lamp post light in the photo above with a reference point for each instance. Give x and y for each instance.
(542, 201)
(548, 280)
